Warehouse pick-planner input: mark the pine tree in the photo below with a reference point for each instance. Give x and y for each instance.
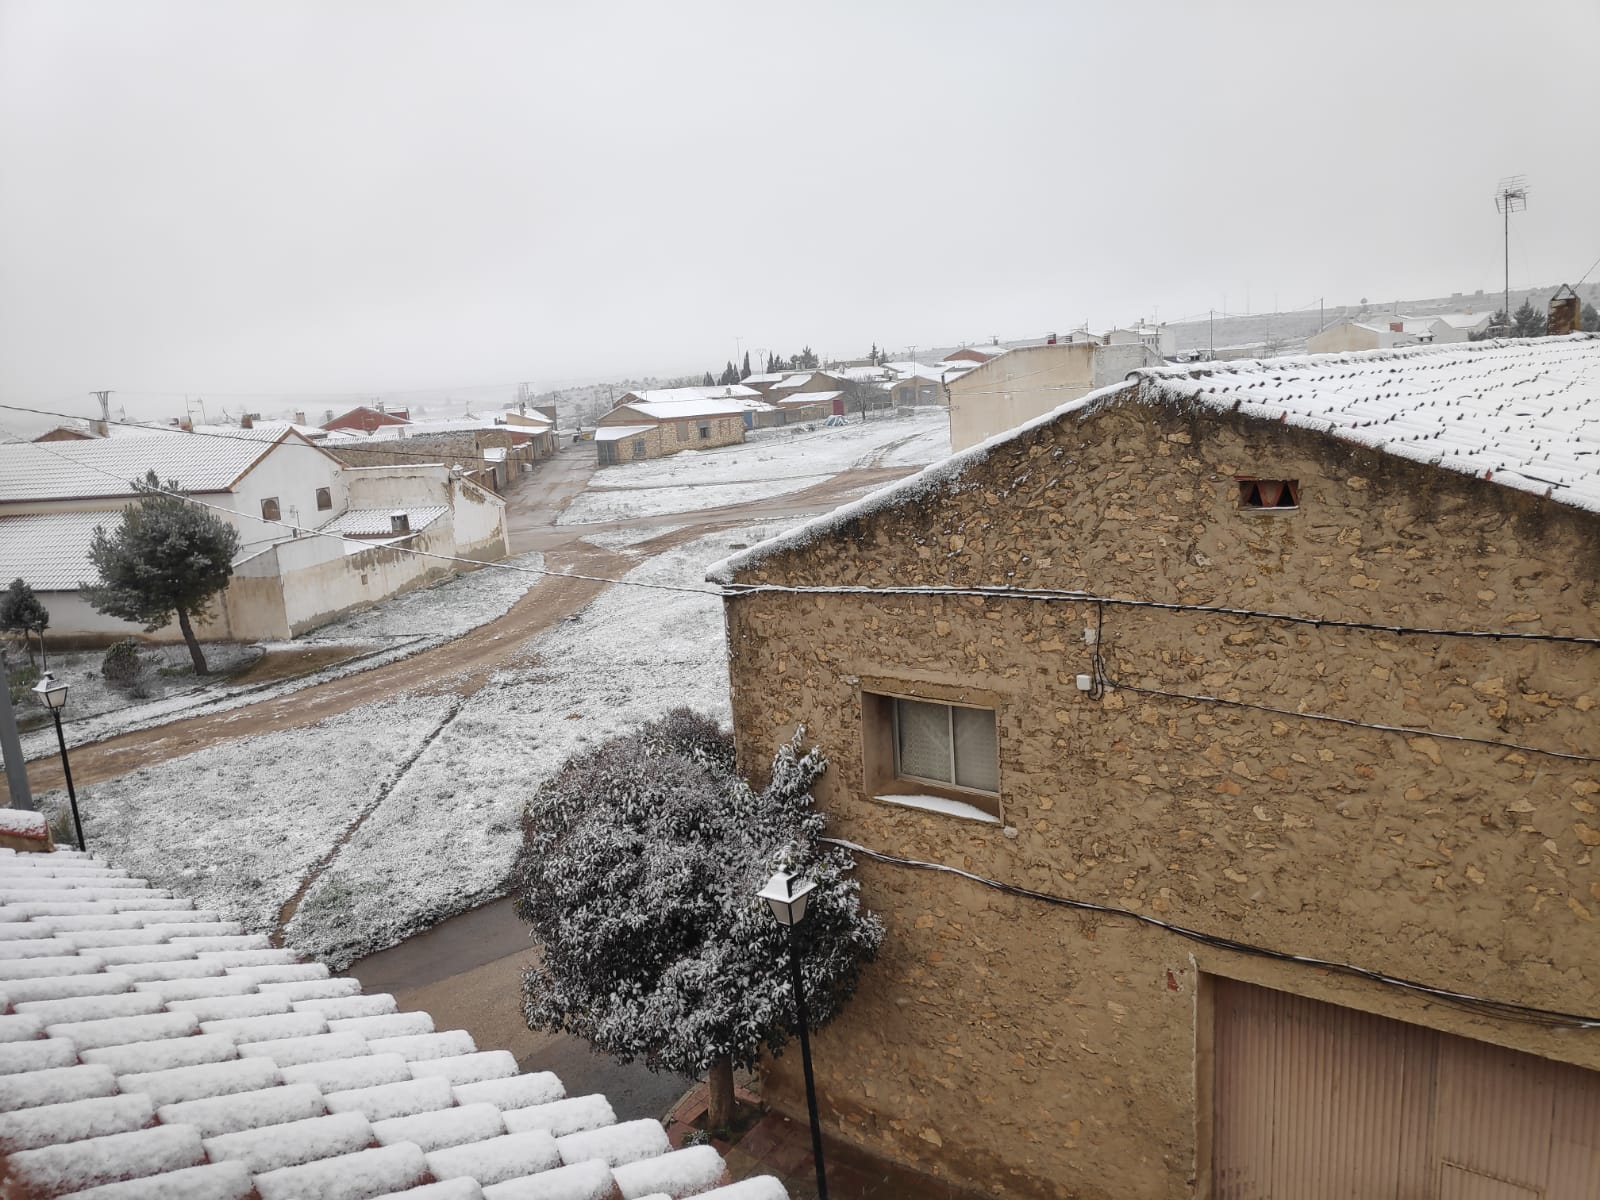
(166, 558)
(730, 375)
(1589, 318)
(1527, 321)
(744, 370)
(873, 356)
(708, 381)
(806, 360)
(638, 874)
(21, 613)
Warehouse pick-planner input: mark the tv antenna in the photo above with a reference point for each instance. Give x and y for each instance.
(1511, 196)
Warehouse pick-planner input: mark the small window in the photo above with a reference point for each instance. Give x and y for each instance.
(946, 743)
(705, 430)
(638, 448)
(324, 499)
(1269, 493)
(270, 510)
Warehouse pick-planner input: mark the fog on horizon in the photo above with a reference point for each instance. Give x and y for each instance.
(319, 201)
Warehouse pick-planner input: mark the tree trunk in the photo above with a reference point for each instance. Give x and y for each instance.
(44, 658)
(719, 1088)
(194, 643)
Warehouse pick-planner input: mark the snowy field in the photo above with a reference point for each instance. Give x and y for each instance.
(773, 462)
(419, 799)
(398, 628)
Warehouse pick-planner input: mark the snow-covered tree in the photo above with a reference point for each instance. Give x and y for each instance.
(639, 870)
(166, 558)
(1589, 319)
(21, 613)
(744, 369)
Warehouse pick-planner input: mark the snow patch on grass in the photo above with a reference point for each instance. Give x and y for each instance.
(445, 839)
(236, 827)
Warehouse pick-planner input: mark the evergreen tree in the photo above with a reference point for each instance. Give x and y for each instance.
(806, 360)
(1499, 326)
(744, 370)
(708, 381)
(1527, 321)
(1589, 318)
(166, 558)
(776, 363)
(21, 613)
(638, 873)
(873, 356)
(730, 375)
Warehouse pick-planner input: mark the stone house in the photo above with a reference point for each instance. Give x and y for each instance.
(297, 566)
(1221, 749)
(650, 428)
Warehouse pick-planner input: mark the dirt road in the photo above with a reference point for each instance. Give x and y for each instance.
(462, 666)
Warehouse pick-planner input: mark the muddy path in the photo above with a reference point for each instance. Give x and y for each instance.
(461, 667)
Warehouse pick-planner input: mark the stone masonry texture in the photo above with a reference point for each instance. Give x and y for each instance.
(1036, 1051)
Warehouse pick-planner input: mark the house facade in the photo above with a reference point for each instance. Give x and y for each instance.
(668, 422)
(1221, 748)
(1029, 380)
(285, 497)
(1363, 335)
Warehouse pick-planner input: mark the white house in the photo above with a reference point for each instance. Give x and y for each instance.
(291, 501)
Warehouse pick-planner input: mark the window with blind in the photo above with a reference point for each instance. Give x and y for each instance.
(948, 744)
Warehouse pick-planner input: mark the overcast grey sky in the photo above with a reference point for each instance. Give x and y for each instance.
(375, 196)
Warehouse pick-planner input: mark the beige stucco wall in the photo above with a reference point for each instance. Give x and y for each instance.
(1034, 1050)
(1030, 381)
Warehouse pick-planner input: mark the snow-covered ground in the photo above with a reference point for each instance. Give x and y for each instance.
(773, 462)
(398, 628)
(437, 784)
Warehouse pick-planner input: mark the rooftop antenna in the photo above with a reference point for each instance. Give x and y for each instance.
(1511, 196)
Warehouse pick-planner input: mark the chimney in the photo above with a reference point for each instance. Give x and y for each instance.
(103, 425)
(1397, 326)
(299, 417)
(247, 422)
(399, 522)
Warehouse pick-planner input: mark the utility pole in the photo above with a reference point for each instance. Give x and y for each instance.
(104, 396)
(1511, 196)
(1212, 353)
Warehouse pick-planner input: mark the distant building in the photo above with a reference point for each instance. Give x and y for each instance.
(1362, 335)
(658, 422)
(976, 355)
(367, 419)
(296, 508)
(1031, 380)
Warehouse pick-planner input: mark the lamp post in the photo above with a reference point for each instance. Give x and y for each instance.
(53, 696)
(786, 895)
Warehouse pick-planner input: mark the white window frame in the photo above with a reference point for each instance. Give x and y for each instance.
(950, 741)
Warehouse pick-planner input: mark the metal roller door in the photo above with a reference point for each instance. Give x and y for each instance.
(1318, 1102)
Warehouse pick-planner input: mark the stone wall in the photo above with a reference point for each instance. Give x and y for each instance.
(1035, 1050)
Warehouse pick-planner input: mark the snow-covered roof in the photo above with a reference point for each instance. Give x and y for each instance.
(768, 377)
(620, 433)
(807, 398)
(914, 370)
(106, 467)
(683, 410)
(731, 391)
(471, 423)
(862, 374)
(794, 381)
(1523, 413)
(166, 1049)
(375, 522)
(51, 550)
(1472, 321)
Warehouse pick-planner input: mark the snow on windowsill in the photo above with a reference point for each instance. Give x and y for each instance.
(939, 804)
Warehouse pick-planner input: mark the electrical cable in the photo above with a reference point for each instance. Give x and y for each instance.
(1077, 597)
(1478, 1004)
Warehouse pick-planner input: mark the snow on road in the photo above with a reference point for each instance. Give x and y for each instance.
(772, 462)
(422, 807)
(398, 628)
(445, 838)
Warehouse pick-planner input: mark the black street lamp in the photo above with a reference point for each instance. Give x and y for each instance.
(53, 696)
(786, 895)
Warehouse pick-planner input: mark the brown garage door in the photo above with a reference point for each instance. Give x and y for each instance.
(1317, 1102)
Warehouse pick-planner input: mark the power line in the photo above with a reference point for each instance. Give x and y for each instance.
(1479, 1004)
(1065, 596)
